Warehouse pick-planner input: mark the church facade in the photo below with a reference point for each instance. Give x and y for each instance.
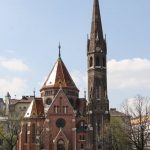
(59, 119)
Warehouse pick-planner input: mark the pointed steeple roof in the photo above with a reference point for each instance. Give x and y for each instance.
(59, 77)
(96, 27)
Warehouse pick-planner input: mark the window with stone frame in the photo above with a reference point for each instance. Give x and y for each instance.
(91, 61)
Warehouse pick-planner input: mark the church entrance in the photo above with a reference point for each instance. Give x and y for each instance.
(60, 145)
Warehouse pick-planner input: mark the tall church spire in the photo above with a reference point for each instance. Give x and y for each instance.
(97, 83)
(96, 37)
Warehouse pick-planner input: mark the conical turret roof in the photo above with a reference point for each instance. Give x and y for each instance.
(59, 77)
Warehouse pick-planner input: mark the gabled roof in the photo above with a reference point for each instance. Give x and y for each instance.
(65, 99)
(60, 135)
(59, 77)
(36, 109)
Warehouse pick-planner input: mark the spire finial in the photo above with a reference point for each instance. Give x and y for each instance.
(59, 47)
(34, 92)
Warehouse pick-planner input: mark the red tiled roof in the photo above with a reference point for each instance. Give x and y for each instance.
(59, 77)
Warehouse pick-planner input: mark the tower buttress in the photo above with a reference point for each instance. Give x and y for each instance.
(97, 82)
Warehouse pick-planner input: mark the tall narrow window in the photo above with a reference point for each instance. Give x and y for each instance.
(56, 109)
(97, 92)
(83, 137)
(100, 91)
(26, 133)
(97, 63)
(82, 146)
(65, 109)
(91, 61)
(33, 133)
(104, 62)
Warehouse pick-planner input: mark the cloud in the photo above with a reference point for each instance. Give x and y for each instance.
(15, 86)
(129, 73)
(13, 64)
(124, 75)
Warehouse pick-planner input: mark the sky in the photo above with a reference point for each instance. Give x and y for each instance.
(30, 31)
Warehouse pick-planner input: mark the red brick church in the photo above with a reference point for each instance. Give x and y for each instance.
(59, 119)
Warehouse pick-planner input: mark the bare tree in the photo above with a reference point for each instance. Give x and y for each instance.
(137, 128)
(9, 131)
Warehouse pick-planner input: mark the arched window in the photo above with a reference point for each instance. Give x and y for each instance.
(97, 63)
(60, 145)
(56, 109)
(91, 61)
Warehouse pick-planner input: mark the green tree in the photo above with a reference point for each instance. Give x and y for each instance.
(119, 139)
(9, 131)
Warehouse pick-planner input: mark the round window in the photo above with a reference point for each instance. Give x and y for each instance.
(60, 123)
(48, 101)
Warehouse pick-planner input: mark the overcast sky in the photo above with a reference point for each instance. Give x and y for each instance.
(30, 31)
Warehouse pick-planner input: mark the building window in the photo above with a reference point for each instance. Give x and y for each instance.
(82, 146)
(26, 133)
(82, 137)
(56, 109)
(97, 92)
(91, 61)
(82, 123)
(60, 145)
(99, 146)
(48, 101)
(60, 123)
(97, 63)
(65, 109)
(33, 133)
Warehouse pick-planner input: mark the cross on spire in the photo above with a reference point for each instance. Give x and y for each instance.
(59, 47)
